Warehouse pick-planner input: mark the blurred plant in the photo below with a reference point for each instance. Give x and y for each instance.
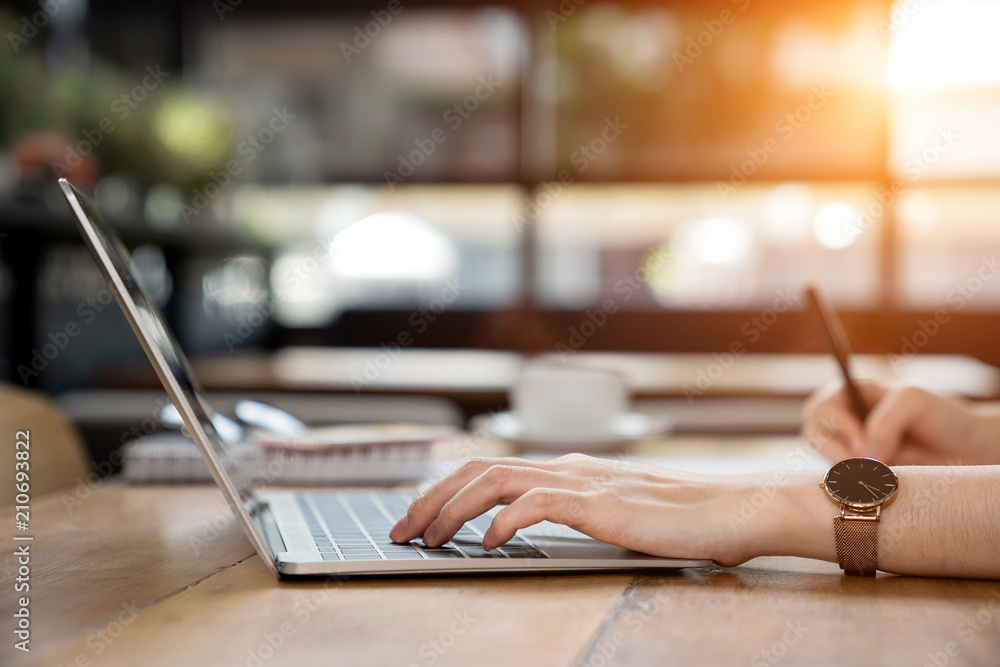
(72, 116)
(194, 131)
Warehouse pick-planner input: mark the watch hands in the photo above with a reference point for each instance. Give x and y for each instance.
(871, 490)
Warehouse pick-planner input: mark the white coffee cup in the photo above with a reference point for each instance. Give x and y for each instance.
(556, 401)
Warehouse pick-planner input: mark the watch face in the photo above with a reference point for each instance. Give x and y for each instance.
(861, 482)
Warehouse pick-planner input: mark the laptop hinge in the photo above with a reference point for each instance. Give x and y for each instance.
(260, 513)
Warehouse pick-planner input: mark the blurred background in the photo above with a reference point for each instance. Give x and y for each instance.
(493, 176)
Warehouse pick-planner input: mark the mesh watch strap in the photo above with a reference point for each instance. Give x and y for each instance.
(857, 545)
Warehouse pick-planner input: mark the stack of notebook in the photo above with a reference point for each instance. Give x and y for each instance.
(357, 454)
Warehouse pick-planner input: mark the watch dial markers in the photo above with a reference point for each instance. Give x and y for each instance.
(860, 482)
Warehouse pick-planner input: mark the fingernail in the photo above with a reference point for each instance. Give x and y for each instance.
(488, 540)
(399, 528)
(430, 536)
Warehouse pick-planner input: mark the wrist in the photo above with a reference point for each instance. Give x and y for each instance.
(786, 513)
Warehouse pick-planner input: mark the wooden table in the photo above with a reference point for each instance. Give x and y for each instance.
(163, 576)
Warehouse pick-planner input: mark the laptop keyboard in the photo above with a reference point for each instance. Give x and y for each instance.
(355, 526)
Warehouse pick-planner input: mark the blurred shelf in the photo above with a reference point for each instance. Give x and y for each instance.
(38, 220)
(484, 377)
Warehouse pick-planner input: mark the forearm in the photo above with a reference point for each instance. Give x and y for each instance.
(944, 521)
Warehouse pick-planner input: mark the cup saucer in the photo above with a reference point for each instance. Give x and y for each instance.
(626, 428)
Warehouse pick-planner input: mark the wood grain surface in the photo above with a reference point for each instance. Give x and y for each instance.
(163, 576)
(792, 611)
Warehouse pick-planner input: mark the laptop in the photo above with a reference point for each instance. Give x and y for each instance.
(300, 532)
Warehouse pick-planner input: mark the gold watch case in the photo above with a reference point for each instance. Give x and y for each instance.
(861, 484)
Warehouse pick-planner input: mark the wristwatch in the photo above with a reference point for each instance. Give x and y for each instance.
(862, 487)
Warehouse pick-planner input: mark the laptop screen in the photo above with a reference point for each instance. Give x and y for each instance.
(161, 347)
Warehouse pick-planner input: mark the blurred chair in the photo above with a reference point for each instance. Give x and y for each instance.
(58, 458)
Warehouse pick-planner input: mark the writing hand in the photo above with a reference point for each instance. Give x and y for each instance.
(906, 426)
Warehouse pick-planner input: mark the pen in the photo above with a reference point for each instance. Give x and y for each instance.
(832, 331)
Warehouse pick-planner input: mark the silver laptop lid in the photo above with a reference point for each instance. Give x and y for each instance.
(171, 365)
